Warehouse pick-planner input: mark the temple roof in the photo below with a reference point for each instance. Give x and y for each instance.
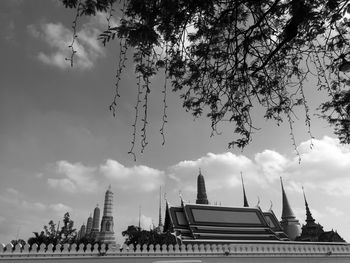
(196, 222)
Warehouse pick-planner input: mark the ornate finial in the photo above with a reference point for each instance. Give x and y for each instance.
(109, 188)
(200, 172)
(271, 204)
(302, 188)
(258, 204)
(96, 205)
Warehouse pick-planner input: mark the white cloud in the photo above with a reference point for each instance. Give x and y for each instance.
(324, 167)
(60, 208)
(334, 211)
(146, 222)
(12, 191)
(36, 206)
(65, 184)
(76, 177)
(39, 175)
(220, 171)
(140, 178)
(271, 163)
(58, 38)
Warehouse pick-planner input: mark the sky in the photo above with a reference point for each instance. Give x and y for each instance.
(60, 146)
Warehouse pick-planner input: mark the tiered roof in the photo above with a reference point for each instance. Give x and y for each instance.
(207, 223)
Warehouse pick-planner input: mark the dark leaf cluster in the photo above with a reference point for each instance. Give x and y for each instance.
(231, 59)
(135, 235)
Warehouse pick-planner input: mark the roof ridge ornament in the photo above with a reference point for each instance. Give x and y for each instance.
(258, 204)
(245, 200)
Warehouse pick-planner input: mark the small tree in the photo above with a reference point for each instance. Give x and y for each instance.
(52, 235)
(68, 233)
(135, 235)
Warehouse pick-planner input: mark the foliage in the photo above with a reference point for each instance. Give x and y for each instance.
(54, 235)
(230, 58)
(135, 235)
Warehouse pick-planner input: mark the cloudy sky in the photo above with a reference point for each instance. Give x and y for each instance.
(60, 147)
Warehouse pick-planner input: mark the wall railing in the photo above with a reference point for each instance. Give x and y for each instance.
(238, 249)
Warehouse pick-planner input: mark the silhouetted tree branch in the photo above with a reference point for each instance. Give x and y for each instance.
(229, 58)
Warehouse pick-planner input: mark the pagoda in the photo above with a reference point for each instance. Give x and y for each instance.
(289, 222)
(106, 234)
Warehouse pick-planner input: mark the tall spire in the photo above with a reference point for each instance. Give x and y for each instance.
(245, 200)
(95, 222)
(168, 224)
(286, 209)
(139, 217)
(107, 233)
(160, 224)
(201, 192)
(309, 218)
(89, 225)
(289, 223)
(82, 231)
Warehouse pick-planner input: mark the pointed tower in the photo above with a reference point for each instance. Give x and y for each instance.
(107, 234)
(168, 224)
(89, 226)
(139, 225)
(160, 223)
(289, 223)
(245, 200)
(82, 231)
(309, 219)
(95, 223)
(311, 231)
(201, 192)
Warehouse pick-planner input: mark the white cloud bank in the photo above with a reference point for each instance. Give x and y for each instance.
(78, 178)
(58, 38)
(141, 178)
(328, 162)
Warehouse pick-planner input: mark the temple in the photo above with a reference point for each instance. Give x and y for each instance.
(289, 223)
(95, 232)
(203, 223)
(199, 232)
(314, 232)
(201, 191)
